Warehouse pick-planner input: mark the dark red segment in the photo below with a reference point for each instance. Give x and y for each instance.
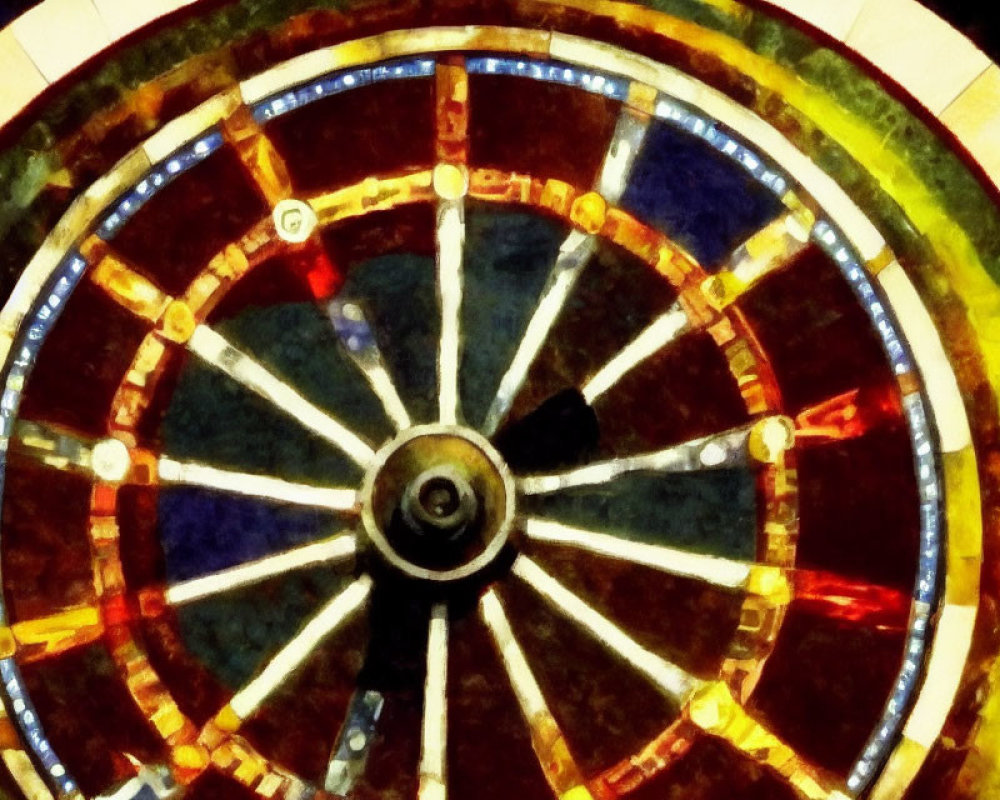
(616, 296)
(213, 785)
(298, 726)
(859, 509)
(274, 282)
(825, 686)
(545, 130)
(175, 234)
(46, 549)
(406, 229)
(141, 553)
(818, 338)
(198, 693)
(148, 431)
(75, 696)
(82, 362)
(687, 622)
(342, 139)
(483, 712)
(607, 710)
(683, 392)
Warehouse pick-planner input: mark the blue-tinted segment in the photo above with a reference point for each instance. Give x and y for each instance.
(696, 195)
(299, 344)
(712, 512)
(203, 531)
(715, 134)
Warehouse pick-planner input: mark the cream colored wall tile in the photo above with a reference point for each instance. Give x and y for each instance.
(124, 16)
(918, 49)
(60, 35)
(974, 117)
(835, 17)
(21, 79)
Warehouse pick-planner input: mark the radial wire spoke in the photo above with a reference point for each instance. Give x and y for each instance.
(450, 236)
(112, 461)
(296, 222)
(215, 350)
(663, 330)
(358, 340)
(769, 249)
(434, 731)
(547, 740)
(721, 572)
(336, 549)
(670, 679)
(451, 185)
(763, 441)
(574, 255)
(334, 614)
(252, 485)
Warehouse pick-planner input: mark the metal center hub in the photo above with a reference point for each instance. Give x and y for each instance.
(438, 504)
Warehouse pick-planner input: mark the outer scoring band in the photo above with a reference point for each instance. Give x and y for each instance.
(669, 110)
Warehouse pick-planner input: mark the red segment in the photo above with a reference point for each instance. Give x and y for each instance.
(82, 362)
(315, 266)
(848, 415)
(115, 610)
(836, 597)
(818, 338)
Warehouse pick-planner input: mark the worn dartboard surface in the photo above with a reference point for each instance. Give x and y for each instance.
(475, 412)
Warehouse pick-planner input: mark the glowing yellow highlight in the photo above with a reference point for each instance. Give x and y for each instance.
(130, 289)
(714, 709)
(55, 634)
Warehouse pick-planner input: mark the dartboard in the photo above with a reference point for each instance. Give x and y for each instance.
(477, 401)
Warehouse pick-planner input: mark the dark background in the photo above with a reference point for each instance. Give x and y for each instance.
(977, 19)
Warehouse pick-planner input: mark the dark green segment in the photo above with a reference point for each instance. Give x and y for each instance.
(508, 257)
(214, 420)
(713, 512)
(234, 635)
(398, 294)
